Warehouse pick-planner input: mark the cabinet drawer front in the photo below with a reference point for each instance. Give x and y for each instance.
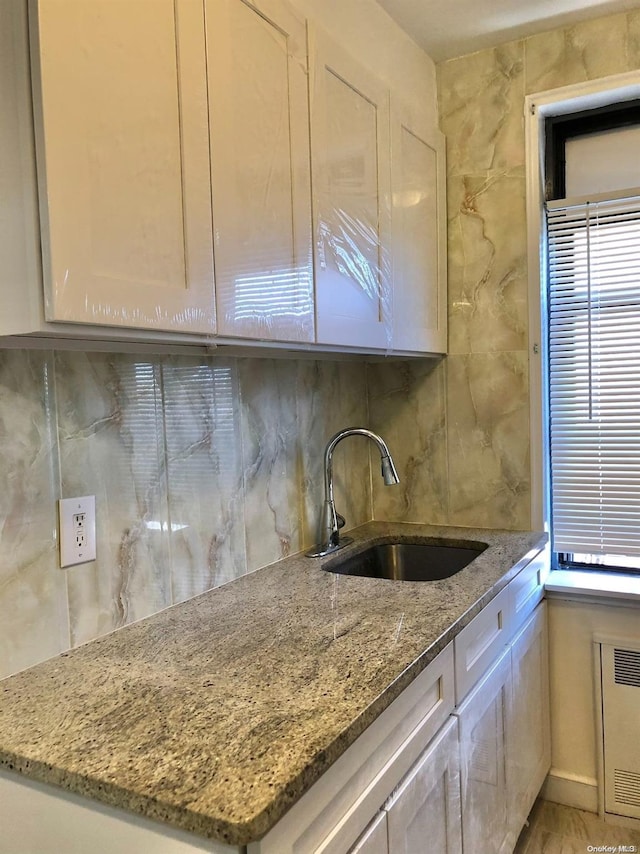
(479, 643)
(527, 588)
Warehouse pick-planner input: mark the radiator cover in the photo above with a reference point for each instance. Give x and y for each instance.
(621, 728)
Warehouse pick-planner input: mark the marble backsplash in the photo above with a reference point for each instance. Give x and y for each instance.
(203, 470)
(207, 468)
(458, 430)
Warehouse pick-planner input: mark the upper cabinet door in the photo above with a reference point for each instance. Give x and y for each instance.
(258, 94)
(351, 181)
(419, 234)
(122, 142)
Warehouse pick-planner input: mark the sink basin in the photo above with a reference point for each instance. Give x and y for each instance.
(408, 561)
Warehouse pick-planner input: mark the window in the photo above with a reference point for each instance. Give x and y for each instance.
(593, 251)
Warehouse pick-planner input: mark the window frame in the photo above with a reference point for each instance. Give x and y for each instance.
(559, 129)
(538, 109)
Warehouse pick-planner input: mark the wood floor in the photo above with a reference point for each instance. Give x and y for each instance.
(556, 829)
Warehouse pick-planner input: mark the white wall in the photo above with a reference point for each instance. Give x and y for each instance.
(572, 626)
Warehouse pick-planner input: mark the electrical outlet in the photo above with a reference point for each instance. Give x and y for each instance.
(77, 530)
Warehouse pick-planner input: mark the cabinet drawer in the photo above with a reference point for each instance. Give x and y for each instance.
(527, 588)
(479, 643)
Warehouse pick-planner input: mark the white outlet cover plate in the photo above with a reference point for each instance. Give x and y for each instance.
(77, 530)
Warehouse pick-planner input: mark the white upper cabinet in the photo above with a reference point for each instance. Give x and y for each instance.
(120, 109)
(419, 233)
(202, 171)
(258, 97)
(351, 199)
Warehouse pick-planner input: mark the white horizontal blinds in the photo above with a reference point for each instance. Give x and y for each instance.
(594, 353)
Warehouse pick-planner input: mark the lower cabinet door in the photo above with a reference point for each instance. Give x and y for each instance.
(529, 737)
(483, 762)
(423, 814)
(374, 838)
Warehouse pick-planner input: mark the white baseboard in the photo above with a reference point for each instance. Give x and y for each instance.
(571, 790)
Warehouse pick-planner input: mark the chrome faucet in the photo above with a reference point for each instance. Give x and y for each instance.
(331, 522)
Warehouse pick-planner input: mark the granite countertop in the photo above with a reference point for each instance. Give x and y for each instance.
(217, 714)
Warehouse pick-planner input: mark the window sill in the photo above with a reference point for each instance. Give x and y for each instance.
(605, 585)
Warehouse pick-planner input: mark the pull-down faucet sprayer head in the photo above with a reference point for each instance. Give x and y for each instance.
(389, 472)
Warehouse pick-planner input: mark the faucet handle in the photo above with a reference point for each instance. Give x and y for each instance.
(340, 520)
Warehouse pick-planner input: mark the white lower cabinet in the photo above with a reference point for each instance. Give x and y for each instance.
(529, 756)
(39, 818)
(481, 643)
(424, 812)
(430, 776)
(505, 750)
(374, 840)
(483, 760)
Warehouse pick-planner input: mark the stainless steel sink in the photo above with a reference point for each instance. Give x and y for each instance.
(408, 561)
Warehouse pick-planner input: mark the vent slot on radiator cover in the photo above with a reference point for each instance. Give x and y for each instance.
(627, 666)
(621, 724)
(627, 787)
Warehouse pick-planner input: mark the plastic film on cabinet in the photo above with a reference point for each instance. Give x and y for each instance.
(125, 214)
(206, 158)
(260, 170)
(351, 199)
